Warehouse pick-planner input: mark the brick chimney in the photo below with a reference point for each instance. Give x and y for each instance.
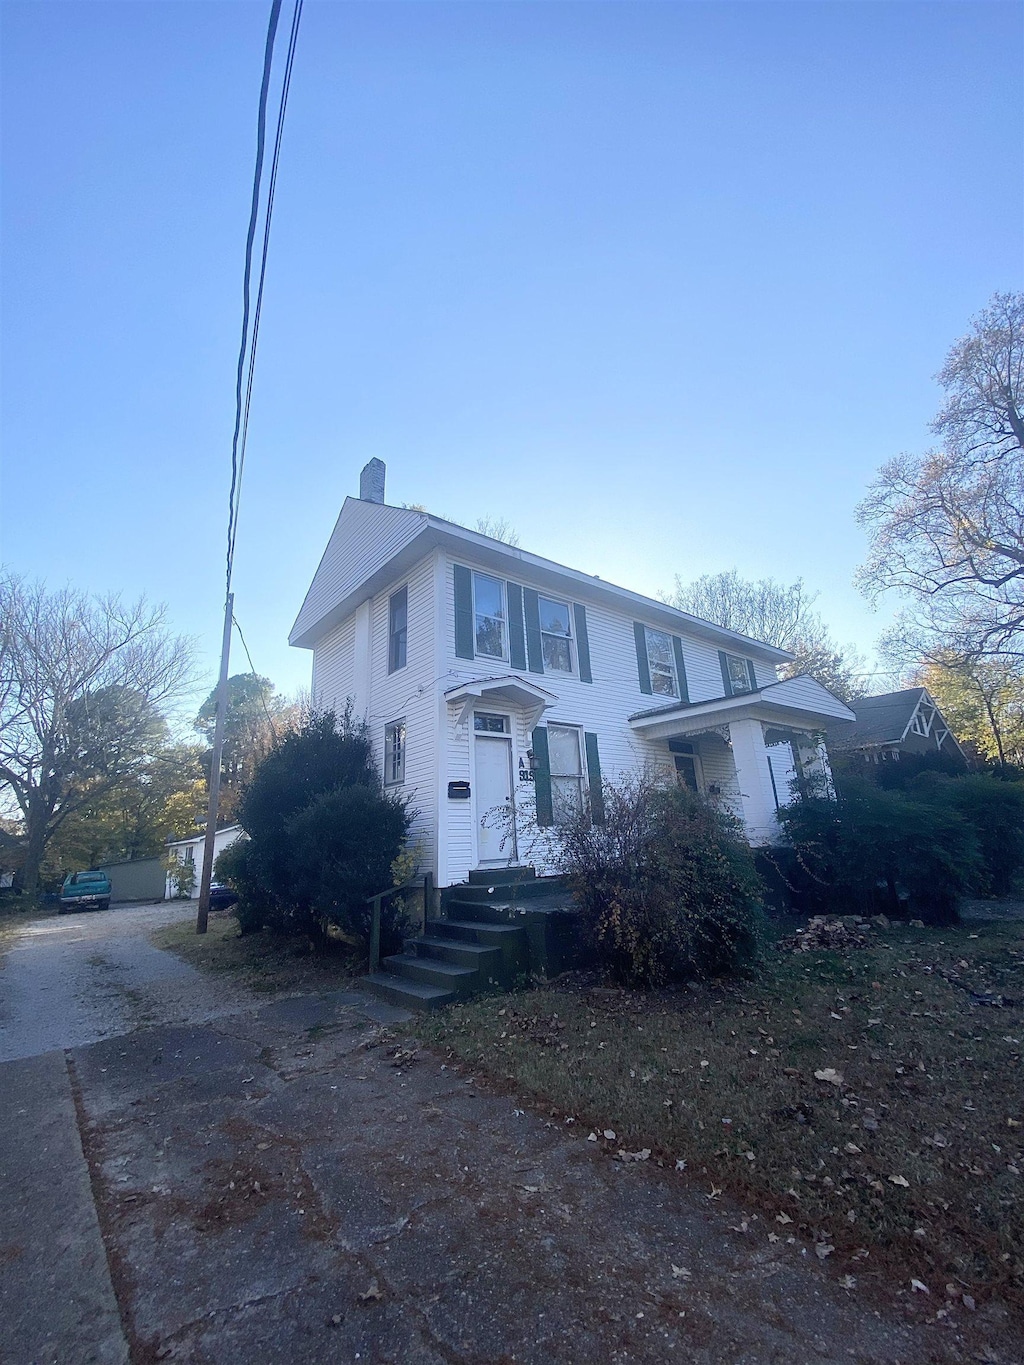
(371, 481)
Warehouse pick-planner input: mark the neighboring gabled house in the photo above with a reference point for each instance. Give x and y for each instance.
(189, 853)
(894, 725)
(489, 676)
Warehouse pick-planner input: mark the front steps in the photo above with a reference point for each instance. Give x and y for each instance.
(494, 928)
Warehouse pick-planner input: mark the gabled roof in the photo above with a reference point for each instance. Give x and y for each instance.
(372, 544)
(884, 719)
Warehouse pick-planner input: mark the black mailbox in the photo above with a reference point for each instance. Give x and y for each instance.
(458, 791)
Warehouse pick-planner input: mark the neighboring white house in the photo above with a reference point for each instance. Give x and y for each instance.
(494, 679)
(189, 852)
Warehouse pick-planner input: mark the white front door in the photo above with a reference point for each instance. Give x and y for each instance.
(495, 832)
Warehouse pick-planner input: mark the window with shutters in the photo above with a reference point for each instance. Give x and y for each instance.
(556, 635)
(566, 762)
(739, 674)
(398, 629)
(490, 616)
(394, 753)
(661, 661)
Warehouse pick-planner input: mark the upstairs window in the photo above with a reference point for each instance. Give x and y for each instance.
(737, 674)
(490, 616)
(398, 629)
(555, 635)
(662, 664)
(394, 753)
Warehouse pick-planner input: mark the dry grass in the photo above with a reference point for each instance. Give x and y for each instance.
(263, 962)
(910, 1162)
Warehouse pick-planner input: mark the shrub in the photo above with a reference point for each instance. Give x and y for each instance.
(322, 836)
(994, 810)
(872, 850)
(665, 884)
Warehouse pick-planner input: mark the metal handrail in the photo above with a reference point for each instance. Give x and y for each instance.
(377, 900)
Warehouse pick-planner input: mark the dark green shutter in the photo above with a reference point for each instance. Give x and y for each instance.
(579, 613)
(594, 778)
(516, 636)
(534, 650)
(723, 659)
(464, 642)
(643, 668)
(677, 649)
(752, 675)
(542, 776)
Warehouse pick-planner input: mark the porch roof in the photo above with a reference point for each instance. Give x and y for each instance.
(800, 702)
(510, 688)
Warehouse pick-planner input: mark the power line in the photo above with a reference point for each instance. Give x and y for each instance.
(275, 159)
(261, 132)
(247, 348)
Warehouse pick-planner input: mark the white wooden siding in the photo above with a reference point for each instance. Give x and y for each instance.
(365, 537)
(408, 693)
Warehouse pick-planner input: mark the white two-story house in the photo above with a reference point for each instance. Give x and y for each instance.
(492, 680)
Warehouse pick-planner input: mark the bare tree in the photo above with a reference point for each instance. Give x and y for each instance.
(778, 614)
(83, 681)
(947, 527)
(498, 528)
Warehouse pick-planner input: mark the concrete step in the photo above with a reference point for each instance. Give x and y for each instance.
(491, 876)
(432, 972)
(411, 995)
(477, 931)
(478, 956)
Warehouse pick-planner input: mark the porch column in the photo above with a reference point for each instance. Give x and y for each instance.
(754, 780)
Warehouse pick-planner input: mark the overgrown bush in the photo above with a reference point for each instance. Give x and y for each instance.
(665, 884)
(323, 835)
(994, 811)
(872, 851)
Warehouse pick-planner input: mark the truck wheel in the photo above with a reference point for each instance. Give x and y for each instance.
(104, 905)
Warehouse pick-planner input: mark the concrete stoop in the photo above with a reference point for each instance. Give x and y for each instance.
(495, 928)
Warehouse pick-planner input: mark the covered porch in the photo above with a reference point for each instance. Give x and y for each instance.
(748, 750)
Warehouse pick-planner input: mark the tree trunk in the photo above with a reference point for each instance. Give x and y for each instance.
(35, 846)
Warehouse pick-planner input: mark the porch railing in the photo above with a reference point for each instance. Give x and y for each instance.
(378, 899)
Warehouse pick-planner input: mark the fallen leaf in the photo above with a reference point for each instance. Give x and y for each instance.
(372, 1294)
(592, 1137)
(830, 1075)
(919, 1287)
(680, 1165)
(609, 1133)
(848, 1282)
(822, 1249)
(715, 1192)
(783, 1218)
(679, 1273)
(852, 1148)
(899, 1180)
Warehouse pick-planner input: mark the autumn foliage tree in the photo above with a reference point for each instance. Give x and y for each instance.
(83, 685)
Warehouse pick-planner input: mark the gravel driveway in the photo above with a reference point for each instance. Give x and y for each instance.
(200, 1176)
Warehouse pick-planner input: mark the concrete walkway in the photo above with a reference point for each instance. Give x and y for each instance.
(287, 1181)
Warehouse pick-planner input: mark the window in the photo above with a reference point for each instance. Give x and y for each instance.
(490, 725)
(566, 773)
(739, 674)
(398, 629)
(661, 662)
(490, 619)
(687, 766)
(189, 855)
(556, 635)
(394, 753)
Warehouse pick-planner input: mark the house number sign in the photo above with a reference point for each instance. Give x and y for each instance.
(525, 773)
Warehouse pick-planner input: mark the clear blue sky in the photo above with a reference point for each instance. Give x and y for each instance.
(661, 284)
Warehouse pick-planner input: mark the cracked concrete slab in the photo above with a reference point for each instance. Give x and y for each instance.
(57, 1303)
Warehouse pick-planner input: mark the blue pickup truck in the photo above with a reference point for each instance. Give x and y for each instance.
(85, 891)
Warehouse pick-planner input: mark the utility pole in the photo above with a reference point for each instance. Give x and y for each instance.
(215, 760)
